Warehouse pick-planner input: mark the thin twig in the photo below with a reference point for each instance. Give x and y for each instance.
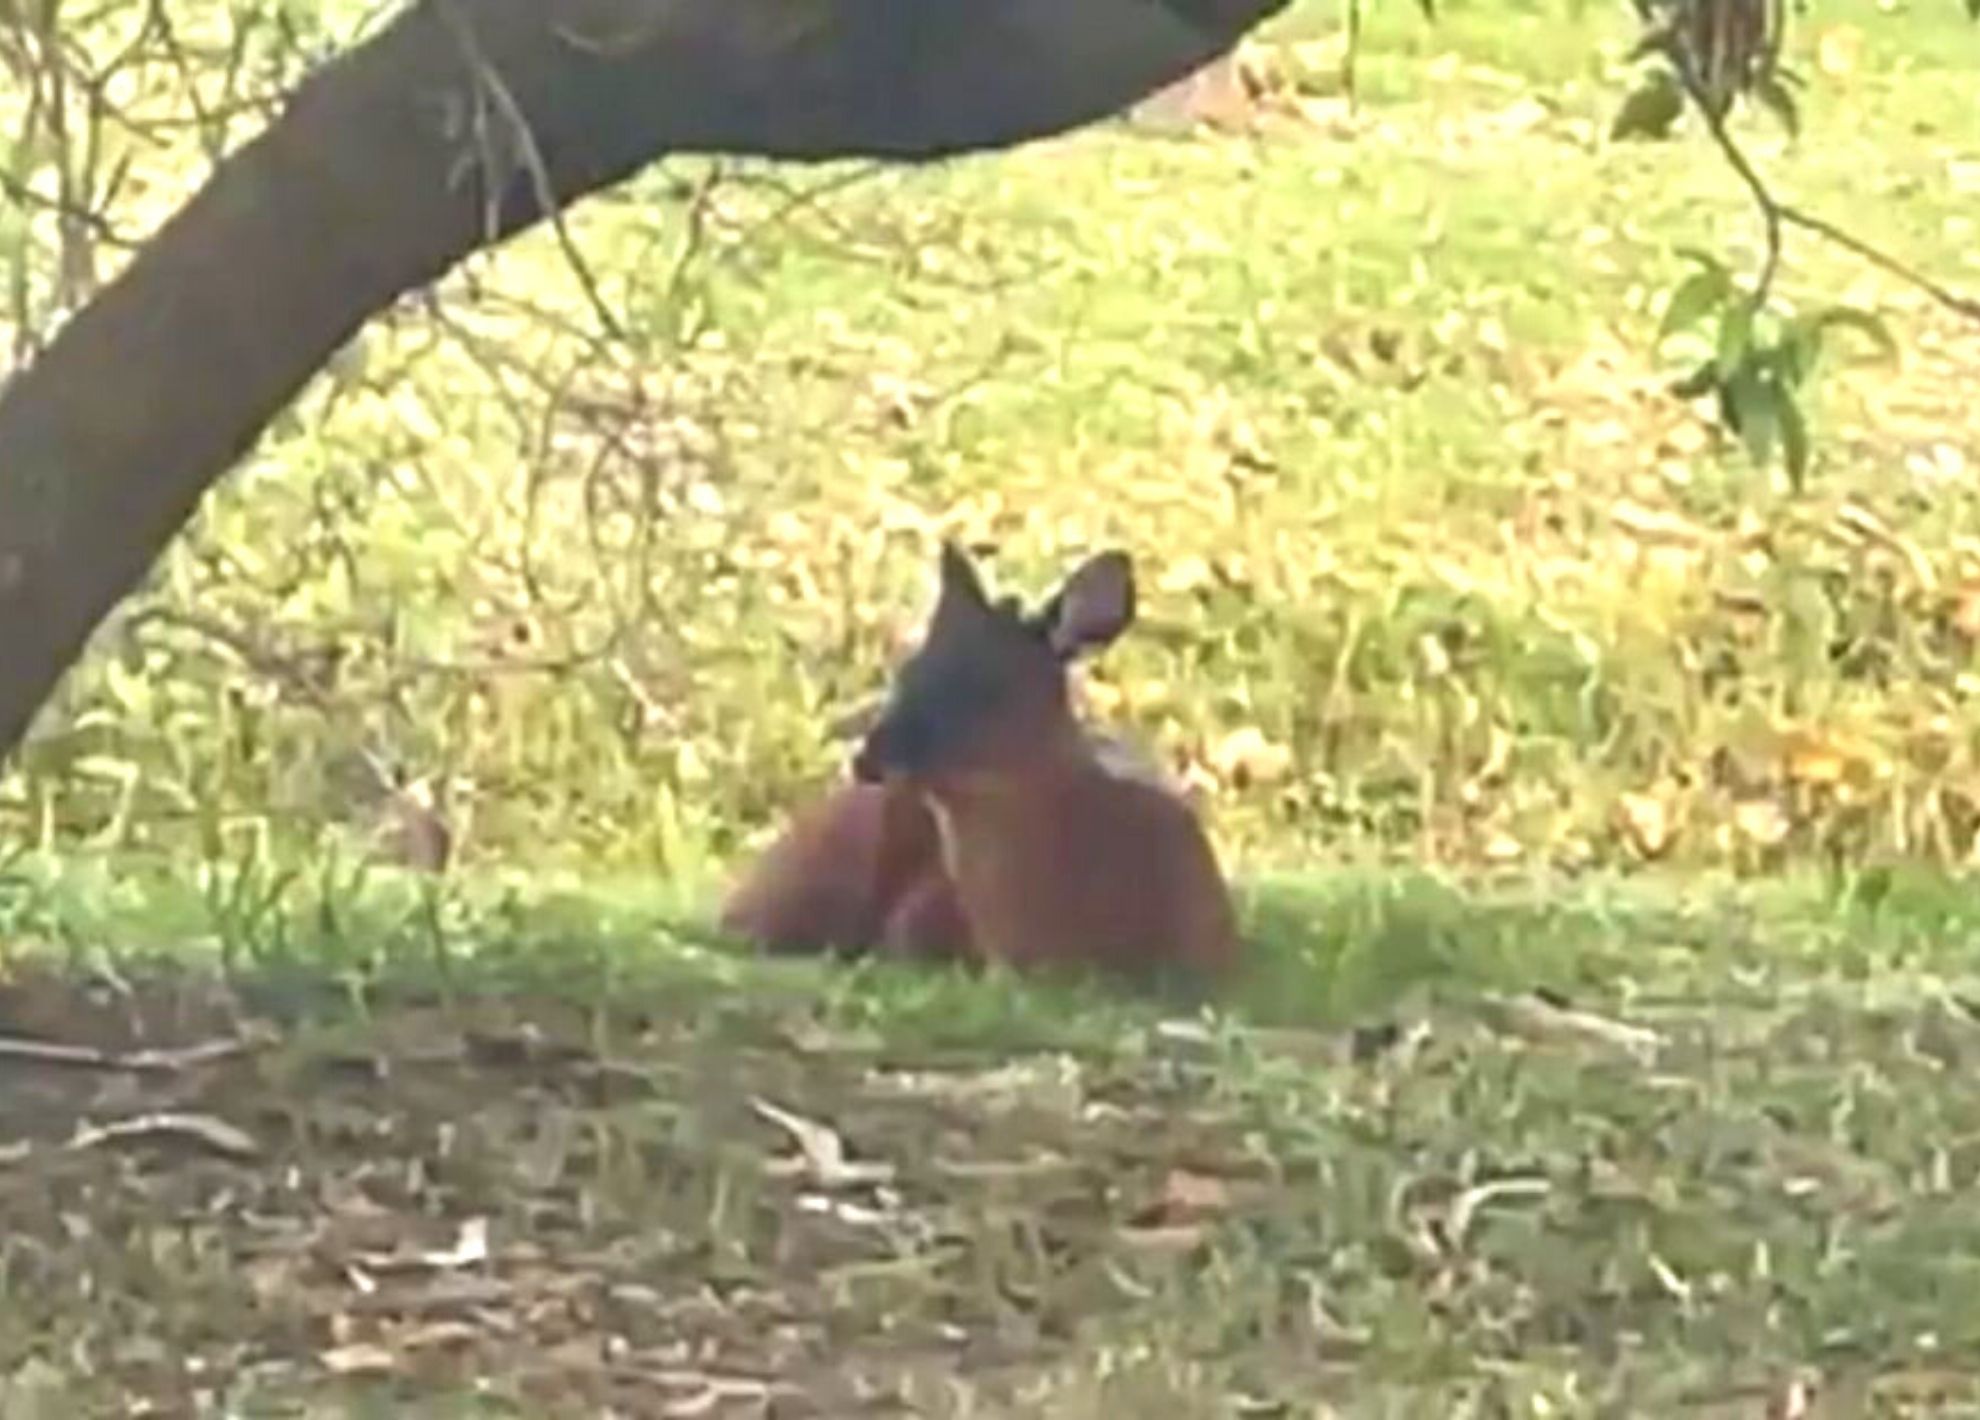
(1966, 306)
(531, 154)
(170, 1061)
(1763, 197)
(1776, 215)
(206, 1130)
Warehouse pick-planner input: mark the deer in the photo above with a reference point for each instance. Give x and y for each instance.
(860, 869)
(1054, 860)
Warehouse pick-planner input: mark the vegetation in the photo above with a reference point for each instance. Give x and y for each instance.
(534, 1154)
(583, 559)
(1436, 562)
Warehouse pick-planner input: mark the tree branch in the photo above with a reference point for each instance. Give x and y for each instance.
(363, 188)
(1776, 215)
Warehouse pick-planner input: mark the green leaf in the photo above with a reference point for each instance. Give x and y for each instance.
(1700, 381)
(1775, 96)
(1695, 296)
(1651, 110)
(1750, 404)
(1735, 339)
(1794, 440)
(1705, 259)
(1799, 351)
(1658, 39)
(1865, 323)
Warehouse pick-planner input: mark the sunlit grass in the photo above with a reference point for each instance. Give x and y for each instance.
(1434, 566)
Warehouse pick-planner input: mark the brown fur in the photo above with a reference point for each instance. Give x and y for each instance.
(1054, 860)
(855, 870)
(1057, 862)
(861, 869)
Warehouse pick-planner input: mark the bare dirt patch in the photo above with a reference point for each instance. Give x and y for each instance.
(679, 1210)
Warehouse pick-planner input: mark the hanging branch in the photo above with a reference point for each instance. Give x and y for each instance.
(1715, 53)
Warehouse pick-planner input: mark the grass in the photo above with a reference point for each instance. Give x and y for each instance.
(1444, 592)
(1058, 1201)
(1435, 565)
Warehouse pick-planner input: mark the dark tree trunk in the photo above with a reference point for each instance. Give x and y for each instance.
(371, 184)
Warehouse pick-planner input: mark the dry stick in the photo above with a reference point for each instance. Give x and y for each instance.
(206, 1130)
(498, 90)
(151, 1061)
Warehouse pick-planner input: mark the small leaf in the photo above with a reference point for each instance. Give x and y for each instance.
(1735, 339)
(1653, 41)
(1800, 350)
(1707, 260)
(1651, 110)
(358, 1358)
(1794, 441)
(1865, 323)
(1773, 93)
(1696, 295)
(1245, 756)
(1646, 823)
(1700, 381)
(1751, 405)
(1839, 50)
(1761, 822)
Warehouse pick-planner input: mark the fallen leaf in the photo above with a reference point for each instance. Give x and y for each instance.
(1966, 611)
(823, 1151)
(1646, 823)
(1185, 574)
(1812, 757)
(1502, 847)
(1793, 1401)
(358, 1358)
(434, 1334)
(1246, 756)
(1536, 1018)
(1188, 1196)
(1179, 1239)
(1838, 50)
(1761, 822)
(1655, 525)
(1466, 1205)
(470, 1246)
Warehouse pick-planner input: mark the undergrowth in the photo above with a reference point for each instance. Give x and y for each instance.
(1435, 564)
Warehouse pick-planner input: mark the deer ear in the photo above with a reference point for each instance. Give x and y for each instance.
(960, 584)
(1095, 606)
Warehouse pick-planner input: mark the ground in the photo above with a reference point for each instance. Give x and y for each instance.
(1611, 1148)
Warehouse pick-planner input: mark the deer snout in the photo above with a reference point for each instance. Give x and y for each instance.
(896, 744)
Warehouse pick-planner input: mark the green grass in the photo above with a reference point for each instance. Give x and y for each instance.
(1373, 401)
